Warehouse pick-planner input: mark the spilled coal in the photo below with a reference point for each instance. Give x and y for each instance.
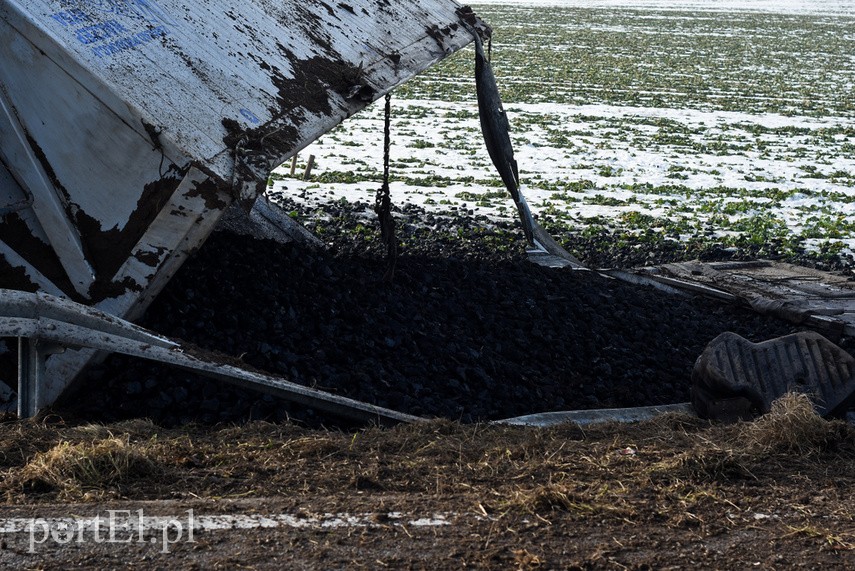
(467, 330)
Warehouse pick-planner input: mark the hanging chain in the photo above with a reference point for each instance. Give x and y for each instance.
(383, 202)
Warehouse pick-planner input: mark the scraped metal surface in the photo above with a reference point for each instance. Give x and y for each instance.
(549, 253)
(599, 416)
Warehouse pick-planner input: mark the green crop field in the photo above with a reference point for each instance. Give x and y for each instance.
(733, 126)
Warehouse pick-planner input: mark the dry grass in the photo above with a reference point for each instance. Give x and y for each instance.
(513, 469)
(834, 540)
(681, 477)
(792, 426)
(792, 429)
(545, 499)
(524, 559)
(707, 465)
(71, 469)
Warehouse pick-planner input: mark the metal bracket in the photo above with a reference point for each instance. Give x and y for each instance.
(32, 354)
(46, 324)
(18, 157)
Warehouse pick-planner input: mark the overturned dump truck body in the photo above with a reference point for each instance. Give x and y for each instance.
(128, 127)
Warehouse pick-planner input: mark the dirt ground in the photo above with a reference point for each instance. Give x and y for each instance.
(671, 493)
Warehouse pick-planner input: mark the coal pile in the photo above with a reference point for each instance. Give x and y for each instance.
(467, 330)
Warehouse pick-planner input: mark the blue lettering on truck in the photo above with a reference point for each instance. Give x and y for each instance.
(100, 32)
(130, 42)
(143, 21)
(72, 18)
(145, 9)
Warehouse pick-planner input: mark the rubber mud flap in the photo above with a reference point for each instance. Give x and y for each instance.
(736, 379)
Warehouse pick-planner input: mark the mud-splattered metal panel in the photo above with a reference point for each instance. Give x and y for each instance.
(107, 105)
(190, 67)
(127, 127)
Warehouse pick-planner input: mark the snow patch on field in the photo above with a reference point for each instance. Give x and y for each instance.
(773, 6)
(682, 163)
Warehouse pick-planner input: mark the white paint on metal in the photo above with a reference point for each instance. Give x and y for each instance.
(44, 311)
(94, 154)
(16, 153)
(167, 230)
(135, 124)
(214, 55)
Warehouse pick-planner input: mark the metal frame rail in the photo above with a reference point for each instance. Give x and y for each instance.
(45, 325)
